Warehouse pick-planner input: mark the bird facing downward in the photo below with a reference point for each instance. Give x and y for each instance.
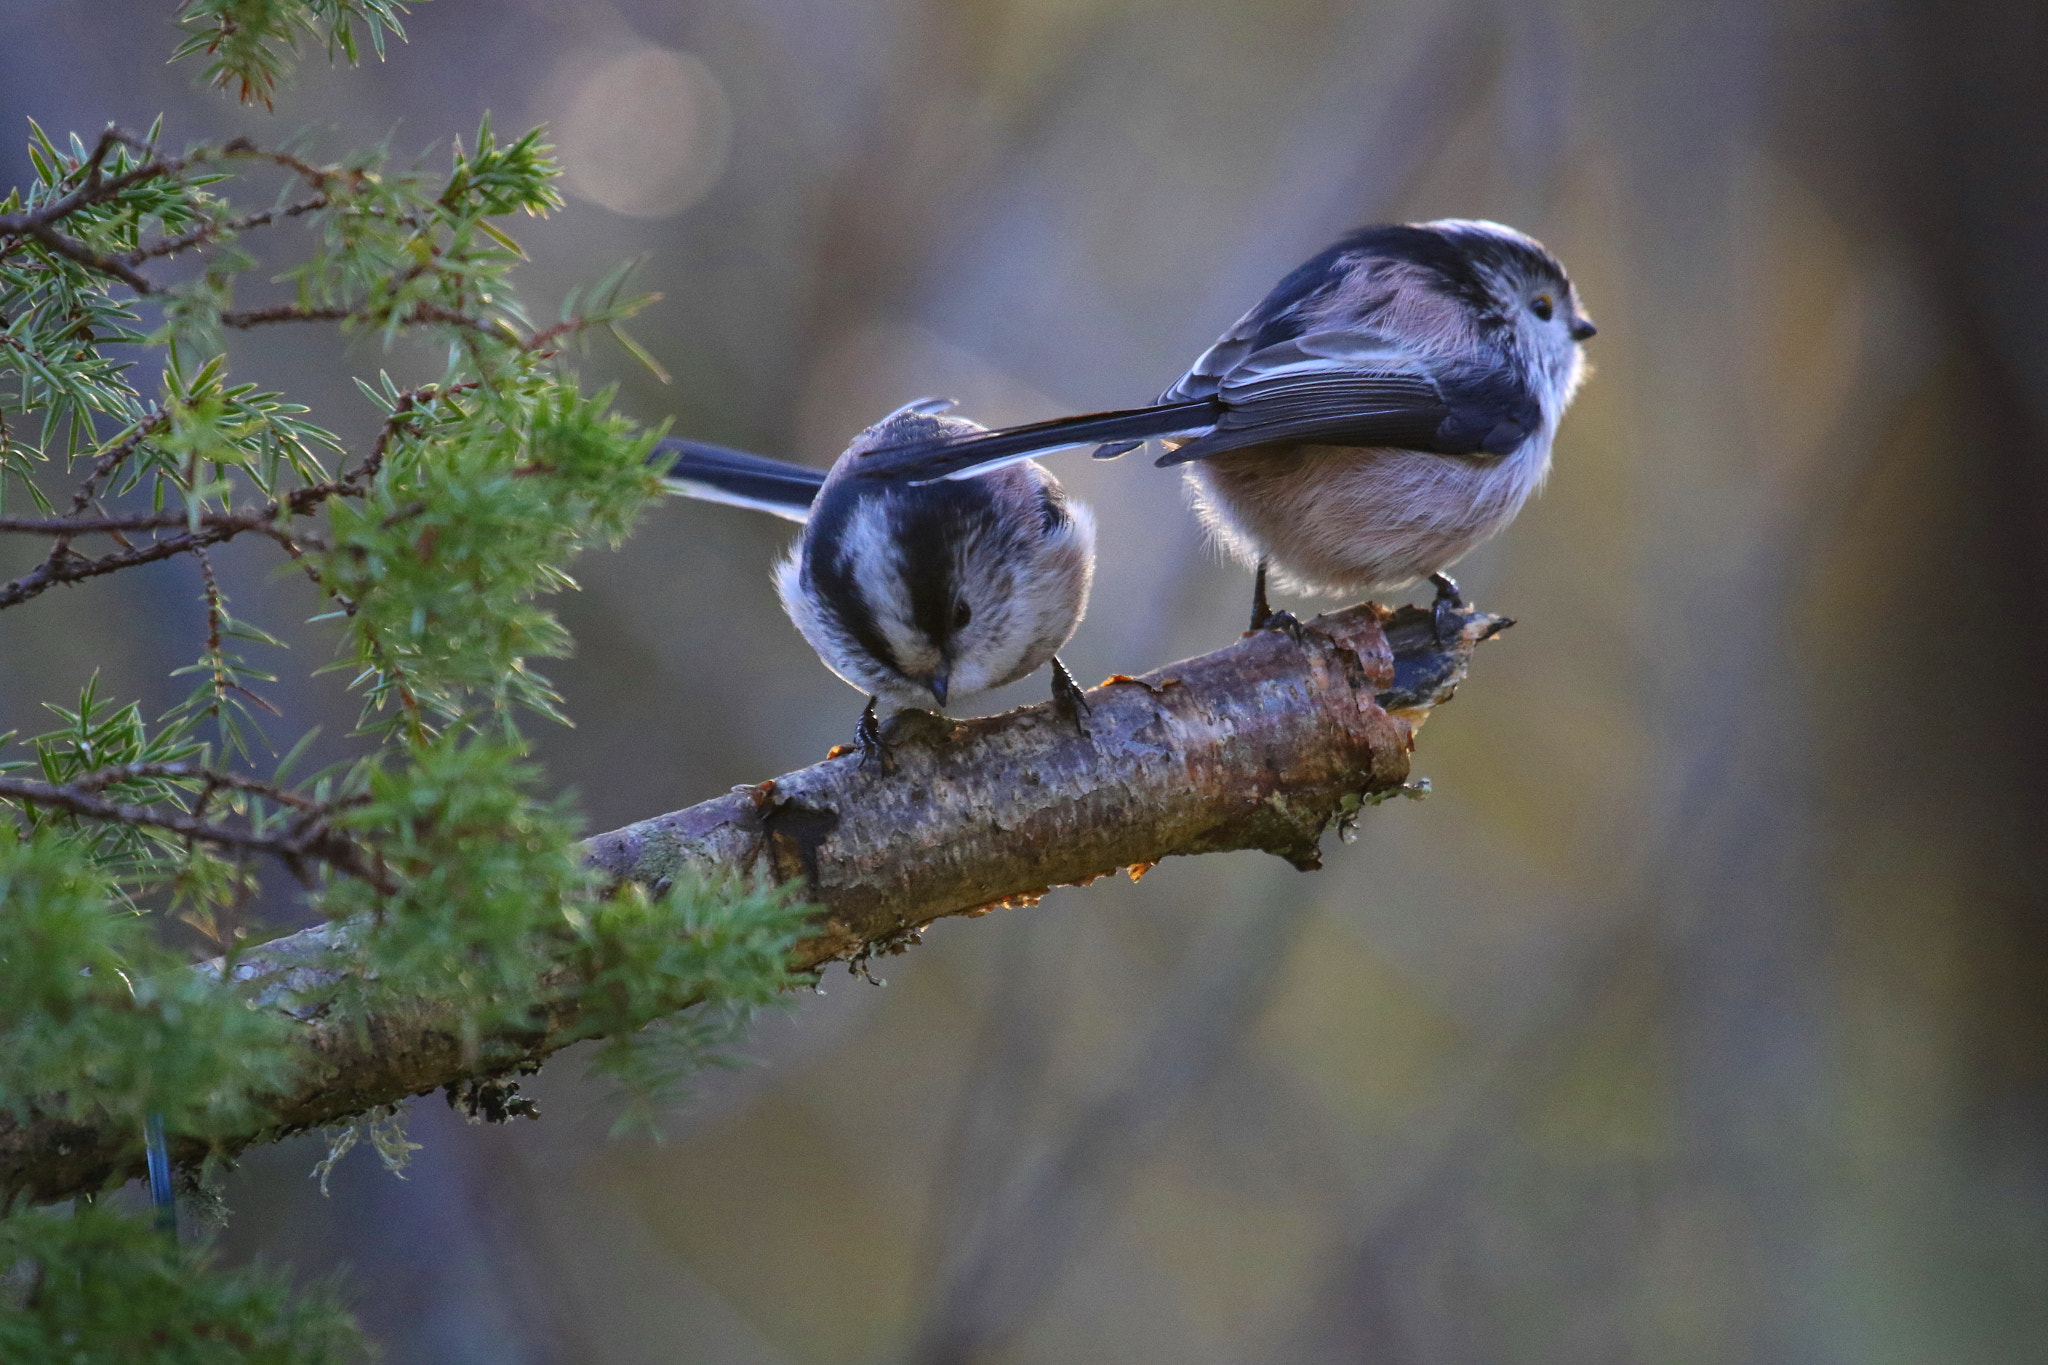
(917, 594)
(1387, 407)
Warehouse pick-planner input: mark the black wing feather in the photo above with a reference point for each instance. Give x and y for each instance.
(1334, 409)
(926, 460)
(1356, 389)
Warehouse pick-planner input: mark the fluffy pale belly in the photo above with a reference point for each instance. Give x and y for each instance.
(1343, 520)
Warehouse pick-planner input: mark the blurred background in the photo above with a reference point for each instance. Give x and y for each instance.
(1698, 1016)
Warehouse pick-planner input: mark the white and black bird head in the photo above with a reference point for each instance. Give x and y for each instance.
(1500, 288)
(921, 594)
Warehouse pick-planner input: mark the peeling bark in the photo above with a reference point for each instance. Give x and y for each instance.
(1262, 745)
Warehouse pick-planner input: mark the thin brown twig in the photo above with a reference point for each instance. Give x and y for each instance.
(93, 190)
(209, 528)
(541, 338)
(96, 190)
(309, 837)
(400, 420)
(101, 778)
(113, 137)
(87, 257)
(284, 312)
(81, 526)
(214, 529)
(418, 314)
(319, 177)
(216, 609)
(290, 545)
(62, 565)
(206, 232)
(222, 677)
(39, 225)
(88, 491)
(115, 456)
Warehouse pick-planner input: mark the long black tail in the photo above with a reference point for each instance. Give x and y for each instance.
(717, 474)
(964, 455)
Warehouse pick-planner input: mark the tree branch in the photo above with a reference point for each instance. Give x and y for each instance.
(87, 257)
(307, 837)
(1261, 745)
(40, 224)
(206, 232)
(63, 565)
(92, 189)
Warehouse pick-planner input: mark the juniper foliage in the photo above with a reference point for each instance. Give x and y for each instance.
(432, 550)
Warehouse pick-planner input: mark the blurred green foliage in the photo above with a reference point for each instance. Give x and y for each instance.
(95, 1018)
(97, 1288)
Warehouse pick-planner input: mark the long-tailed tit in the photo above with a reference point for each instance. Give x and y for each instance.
(917, 594)
(1389, 406)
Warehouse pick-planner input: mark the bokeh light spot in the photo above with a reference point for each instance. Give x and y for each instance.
(645, 133)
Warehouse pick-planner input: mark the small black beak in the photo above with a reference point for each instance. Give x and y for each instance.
(1583, 329)
(940, 676)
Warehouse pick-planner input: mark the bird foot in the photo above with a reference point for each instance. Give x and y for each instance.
(1295, 629)
(1265, 618)
(1069, 700)
(867, 735)
(1447, 611)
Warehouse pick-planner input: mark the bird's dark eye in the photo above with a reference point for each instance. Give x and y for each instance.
(962, 614)
(1542, 307)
